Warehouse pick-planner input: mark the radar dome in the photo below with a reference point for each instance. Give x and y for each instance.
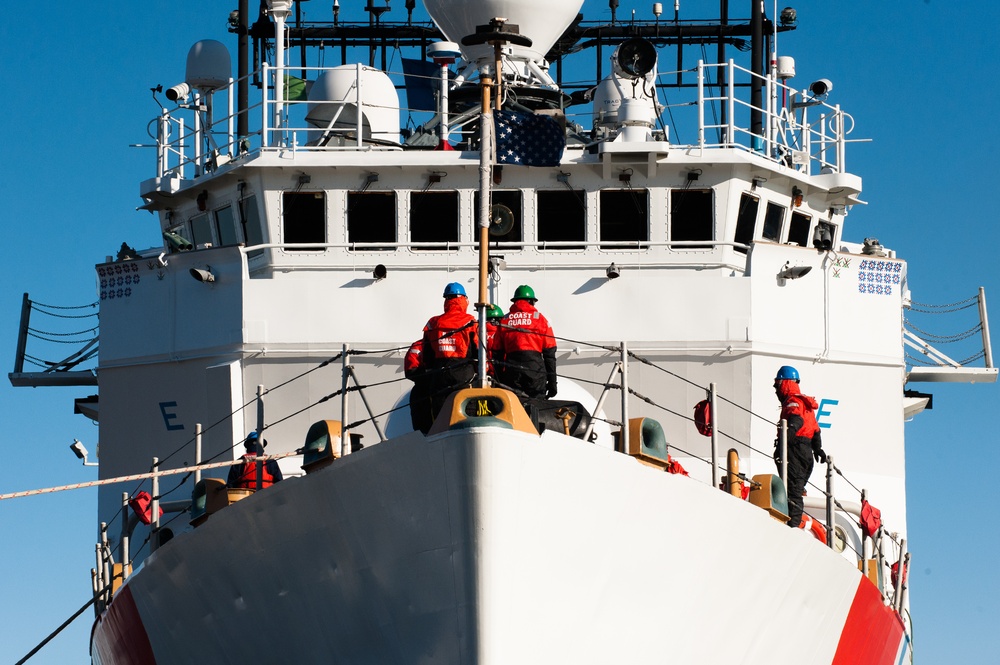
(208, 65)
(379, 101)
(541, 21)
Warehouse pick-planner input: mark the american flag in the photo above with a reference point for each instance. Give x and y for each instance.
(528, 139)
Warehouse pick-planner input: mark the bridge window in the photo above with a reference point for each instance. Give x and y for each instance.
(691, 215)
(371, 217)
(304, 217)
(624, 216)
(201, 230)
(746, 220)
(511, 198)
(434, 218)
(773, 218)
(562, 217)
(225, 226)
(252, 229)
(798, 230)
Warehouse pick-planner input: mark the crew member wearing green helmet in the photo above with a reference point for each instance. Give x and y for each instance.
(528, 348)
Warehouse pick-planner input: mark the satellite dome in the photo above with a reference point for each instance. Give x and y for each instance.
(542, 22)
(208, 65)
(379, 99)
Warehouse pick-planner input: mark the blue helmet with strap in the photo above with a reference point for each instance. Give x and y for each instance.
(787, 373)
(454, 289)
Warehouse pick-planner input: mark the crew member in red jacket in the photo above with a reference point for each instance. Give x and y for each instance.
(244, 476)
(450, 347)
(494, 315)
(420, 395)
(528, 348)
(804, 441)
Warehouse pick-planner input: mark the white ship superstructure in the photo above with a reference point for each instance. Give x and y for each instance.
(307, 242)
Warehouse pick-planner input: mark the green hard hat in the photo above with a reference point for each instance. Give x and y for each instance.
(494, 312)
(524, 292)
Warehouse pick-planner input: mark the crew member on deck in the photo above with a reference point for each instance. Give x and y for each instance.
(420, 395)
(493, 353)
(528, 347)
(244, 475)
(804, 441)
(450, 347)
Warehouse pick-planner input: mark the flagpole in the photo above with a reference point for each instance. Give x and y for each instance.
(485, 175)
(496, 34)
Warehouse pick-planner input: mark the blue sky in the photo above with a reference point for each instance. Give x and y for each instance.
(917, 76)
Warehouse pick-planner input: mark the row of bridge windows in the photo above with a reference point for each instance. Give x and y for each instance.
(560, 219)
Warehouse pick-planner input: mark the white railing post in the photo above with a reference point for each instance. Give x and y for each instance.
(358, 102)
(715, 429)
(829, 502)
(154, 506)
(345, 435)
(701, 104)
(731, 105)
(265, 133)
(162, 138)
(199, 131)
(197, 452)
(624, 361)
(985, 325)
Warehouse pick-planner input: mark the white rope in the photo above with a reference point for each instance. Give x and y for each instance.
(138, 476)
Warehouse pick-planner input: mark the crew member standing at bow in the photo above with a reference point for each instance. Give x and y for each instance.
(450, 347)
(244, 476)
(528, 347)
(804, 441)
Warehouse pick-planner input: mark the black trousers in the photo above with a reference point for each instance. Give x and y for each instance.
(800, 466)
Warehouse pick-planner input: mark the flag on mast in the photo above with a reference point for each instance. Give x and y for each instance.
(528, 139)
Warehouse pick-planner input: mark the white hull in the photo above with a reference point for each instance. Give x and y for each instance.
(488, 546)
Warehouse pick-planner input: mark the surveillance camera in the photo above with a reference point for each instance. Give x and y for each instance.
(179, 92)
(817, 88)
(78, 449)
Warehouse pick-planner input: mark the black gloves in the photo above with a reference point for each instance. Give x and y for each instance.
(819, 455)
(550, 389)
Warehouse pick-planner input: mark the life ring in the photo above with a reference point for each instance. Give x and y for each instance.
(818, 530)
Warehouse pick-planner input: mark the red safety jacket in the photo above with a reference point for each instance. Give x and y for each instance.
(411, 361)
(799, 410)
(449, 336)
(525, 329)
(248, 476)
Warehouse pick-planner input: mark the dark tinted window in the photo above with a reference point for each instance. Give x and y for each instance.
(562, 217)
(371, 217)
(303, 217)
(746, 220)
(201, 229)
(691, 214)
(798, 230)
(434, 218)
(512, 200)
(225, 226)
(624, 215)
(773, 218)
(252, 229)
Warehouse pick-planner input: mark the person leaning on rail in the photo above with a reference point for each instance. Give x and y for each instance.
(244, 475)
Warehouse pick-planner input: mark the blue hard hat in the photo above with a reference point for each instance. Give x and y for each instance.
(454, 289)
(787, 373)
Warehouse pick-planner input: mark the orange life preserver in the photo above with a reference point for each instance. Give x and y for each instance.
(818, 530)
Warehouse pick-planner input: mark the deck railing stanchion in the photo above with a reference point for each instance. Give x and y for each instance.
(985, 323)
(829, 502)
(897, 596)
(600, 401)
(345, 446)
(123, 552)
(154, 506)
(624, 368)
(197, 453)
(715, 429)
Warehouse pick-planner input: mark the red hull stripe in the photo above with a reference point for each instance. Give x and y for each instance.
(873, 632)
(119, 636)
